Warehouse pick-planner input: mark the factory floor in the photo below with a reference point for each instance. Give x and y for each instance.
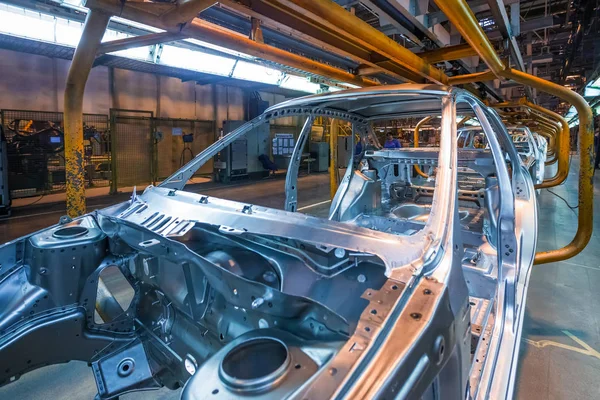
(560, 348)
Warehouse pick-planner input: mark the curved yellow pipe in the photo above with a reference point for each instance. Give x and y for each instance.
(554, 125)
(416, 140)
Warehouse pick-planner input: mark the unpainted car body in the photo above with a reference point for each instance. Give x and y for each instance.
(410, 288)
(532, 149)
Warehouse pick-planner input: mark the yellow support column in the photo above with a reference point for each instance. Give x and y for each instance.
(333, 158)
(83, 59)
(416, 140)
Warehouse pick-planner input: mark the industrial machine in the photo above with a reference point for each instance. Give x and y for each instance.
(240, 159)
(35, 162)
(231, 163)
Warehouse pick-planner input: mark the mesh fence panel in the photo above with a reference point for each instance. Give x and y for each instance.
(173, 152)
(133, 143)
(35, 151)
(35, 144)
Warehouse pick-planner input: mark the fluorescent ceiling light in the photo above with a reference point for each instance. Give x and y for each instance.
(219, 48)
(257, 73)
(591, 92)
(299, 83)
(196, 61)
(18, 21)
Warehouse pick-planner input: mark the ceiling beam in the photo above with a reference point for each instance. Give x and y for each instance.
(220, 36)
(509, 27)
(331, 14)
(296, 34)
(437, 17)
(139, 41)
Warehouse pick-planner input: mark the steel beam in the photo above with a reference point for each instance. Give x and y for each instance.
(399, 24)
(296, 34)
(498, 10)
(346, 23)
(83, 59)
(139, 41)
(437, 17)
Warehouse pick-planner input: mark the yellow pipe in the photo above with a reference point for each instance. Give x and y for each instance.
(333, 158)
(462, 121)
(461, 16)
(472, 78)
(339, 17)
(563, 144)
(463, 19)
(586, 170)
(416, 140)
(83, 59)
(448, 53)
(555, 126)
(536, 122)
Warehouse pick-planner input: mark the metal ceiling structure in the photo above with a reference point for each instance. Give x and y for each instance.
(556, 40)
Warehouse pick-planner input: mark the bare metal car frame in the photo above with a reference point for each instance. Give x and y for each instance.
(234, 299)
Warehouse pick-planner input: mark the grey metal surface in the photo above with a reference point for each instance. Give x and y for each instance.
(562, 298)
(386, 302)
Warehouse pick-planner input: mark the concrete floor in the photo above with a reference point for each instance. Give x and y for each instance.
(559, 356)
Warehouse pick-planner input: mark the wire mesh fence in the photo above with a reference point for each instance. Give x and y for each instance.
(182, 140)
(133, 141)
(35, 151)
(142, 156)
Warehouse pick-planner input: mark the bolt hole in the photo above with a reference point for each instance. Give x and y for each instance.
(215, 391)
(297, 366)
(374, 311)
(367, 329)
(394, 287)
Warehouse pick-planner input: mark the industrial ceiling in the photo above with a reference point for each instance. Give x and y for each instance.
(555, 40)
